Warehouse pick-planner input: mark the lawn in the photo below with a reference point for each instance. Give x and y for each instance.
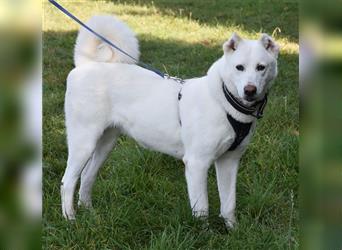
(140, 199)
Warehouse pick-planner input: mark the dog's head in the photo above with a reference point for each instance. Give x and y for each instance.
(249, 66)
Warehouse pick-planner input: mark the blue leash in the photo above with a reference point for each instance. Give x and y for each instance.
(144, 65)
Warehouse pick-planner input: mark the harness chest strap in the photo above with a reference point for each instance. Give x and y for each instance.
(241, 129)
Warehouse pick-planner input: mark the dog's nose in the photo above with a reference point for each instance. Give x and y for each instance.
(250, 90)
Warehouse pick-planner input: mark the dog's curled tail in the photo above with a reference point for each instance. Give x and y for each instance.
(90, 48)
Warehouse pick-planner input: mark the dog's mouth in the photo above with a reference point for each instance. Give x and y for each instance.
(250, 98)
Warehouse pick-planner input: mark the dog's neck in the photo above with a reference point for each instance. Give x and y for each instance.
(215, 88)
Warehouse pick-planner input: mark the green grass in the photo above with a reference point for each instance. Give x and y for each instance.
(140, 199)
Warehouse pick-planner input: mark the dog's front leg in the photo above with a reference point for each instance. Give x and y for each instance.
(196, 172)
(226, 173)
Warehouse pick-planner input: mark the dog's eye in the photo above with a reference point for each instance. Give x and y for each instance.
(240, 67)
(260, 67)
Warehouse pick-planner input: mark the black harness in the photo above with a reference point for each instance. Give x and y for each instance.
(242, 129)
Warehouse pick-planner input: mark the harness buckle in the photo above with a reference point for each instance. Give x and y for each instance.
(260, 112)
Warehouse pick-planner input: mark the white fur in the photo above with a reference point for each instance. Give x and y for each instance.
(104, 100)
(90, 48)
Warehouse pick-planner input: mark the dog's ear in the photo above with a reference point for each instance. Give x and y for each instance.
(232, 43)
(269, 44)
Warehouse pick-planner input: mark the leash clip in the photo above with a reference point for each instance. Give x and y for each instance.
(175, 78)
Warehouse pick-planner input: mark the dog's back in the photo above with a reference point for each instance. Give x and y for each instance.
(90, 48)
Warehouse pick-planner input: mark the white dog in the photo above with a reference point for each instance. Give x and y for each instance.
(206, 120)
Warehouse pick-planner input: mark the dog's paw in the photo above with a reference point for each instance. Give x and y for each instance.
(229, 221)
(87, 204)
(202, 215)
(230, 225)
(67, 206)
(69, 214)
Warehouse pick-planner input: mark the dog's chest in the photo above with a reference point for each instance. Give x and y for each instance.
(223, 145)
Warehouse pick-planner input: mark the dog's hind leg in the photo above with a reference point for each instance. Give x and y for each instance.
(103, 147)
(81, 145)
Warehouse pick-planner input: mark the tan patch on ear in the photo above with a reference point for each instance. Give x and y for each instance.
(232, 43)
(269, 44)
